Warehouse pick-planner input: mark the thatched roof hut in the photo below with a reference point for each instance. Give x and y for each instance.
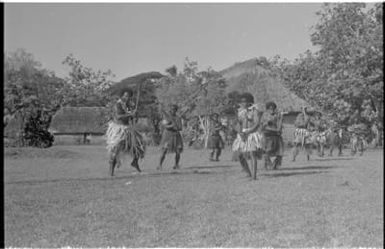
(133, 81)
(79, 120)
(254, 77)
(147, 83)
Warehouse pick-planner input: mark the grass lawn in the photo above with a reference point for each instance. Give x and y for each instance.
(63, 196)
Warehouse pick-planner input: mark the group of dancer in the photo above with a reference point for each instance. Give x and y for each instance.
(124, 138)
(259, 135)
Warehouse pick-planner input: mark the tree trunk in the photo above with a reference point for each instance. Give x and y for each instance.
(205, 125)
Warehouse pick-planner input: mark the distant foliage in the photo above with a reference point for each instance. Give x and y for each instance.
(84, 86)
(197, 93)
(346, 73)
(28, 90)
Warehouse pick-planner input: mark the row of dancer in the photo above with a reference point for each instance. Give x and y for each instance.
(259, 135)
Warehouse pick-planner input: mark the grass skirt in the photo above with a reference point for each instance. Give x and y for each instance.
(126, 139)
(273, 145)
(321, 137)
(302, 136)
(253, 142)
(215, 142)
(172, 141)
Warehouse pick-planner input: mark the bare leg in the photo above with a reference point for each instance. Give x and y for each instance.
(308, 151)
(211, 156)
(254, 164)
(177, 159)
(112, 163)
(162, 159)
(361, 146)
(268, 163)
(219, 151)
(331, 149)
(277, 162)
(135, 164)
(244, 164)
(295, 151)
(340, 149)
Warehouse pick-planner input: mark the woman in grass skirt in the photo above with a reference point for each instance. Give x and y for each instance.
(215, 141)
(272, 132)
(249, 138)
(303, 134)
(171, 137)
(122, 137)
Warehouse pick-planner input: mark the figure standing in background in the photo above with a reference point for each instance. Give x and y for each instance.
(272, 133)
(302, 134)
(171, 137)
(215, 141)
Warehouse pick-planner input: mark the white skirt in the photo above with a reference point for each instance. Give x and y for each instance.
(253, 142)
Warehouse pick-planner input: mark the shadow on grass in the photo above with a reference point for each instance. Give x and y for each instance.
(273, 175)
(122, 177)
(333, 159)
(211, 167)
(308, 167)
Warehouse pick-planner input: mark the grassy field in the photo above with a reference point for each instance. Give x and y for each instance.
(63, 196)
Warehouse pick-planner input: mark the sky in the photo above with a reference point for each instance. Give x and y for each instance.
(132, 38)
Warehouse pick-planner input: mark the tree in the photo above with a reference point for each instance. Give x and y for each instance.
(198, 93)
(347, 70)
(30, 89)
(85, 87)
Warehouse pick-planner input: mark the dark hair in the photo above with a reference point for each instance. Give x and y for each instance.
(248, 97)
(129, 91)
(271, 104)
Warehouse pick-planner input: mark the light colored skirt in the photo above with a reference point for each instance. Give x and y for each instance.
(123, 138)
(253, 142)
(321, 137)
(303, 136)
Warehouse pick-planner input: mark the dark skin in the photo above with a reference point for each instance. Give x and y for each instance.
(272, 110)
(113, 157)
(165, 150)
(216, 151)
(250, 129)
(307, 146)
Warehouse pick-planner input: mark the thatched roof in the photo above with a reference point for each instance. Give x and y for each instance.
(147, 90)
(262, 85)
(132, 82)
(77, 120)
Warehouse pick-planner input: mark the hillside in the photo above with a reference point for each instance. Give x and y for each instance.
(253, 76)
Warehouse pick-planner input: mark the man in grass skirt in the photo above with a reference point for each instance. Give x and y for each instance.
(215, 141)
(271, 126)
(171, 137)
(122, 137)
(321, 132)
(249, 139)
(358, 132)
(303, 134)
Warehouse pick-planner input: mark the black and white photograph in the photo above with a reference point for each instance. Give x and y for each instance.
(193, 125)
